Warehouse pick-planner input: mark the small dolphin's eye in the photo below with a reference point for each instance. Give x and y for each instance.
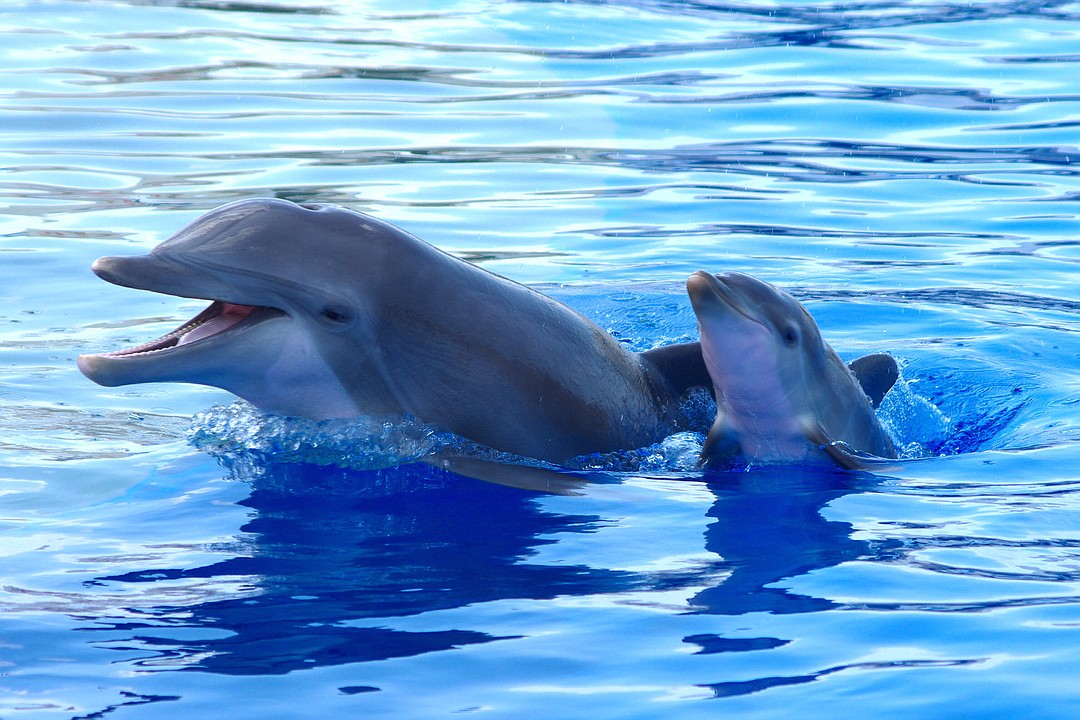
(334, 314)
(791, 336)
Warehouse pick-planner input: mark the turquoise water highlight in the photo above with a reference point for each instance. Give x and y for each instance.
(907, 170)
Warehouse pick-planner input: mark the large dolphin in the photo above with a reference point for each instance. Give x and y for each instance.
(319, 311)
(783, 395)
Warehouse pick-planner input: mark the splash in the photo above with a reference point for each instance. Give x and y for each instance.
(242, 431)
(918, 428)
(675, 453)
(246, 439)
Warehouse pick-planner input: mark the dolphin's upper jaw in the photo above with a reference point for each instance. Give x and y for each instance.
(730, 331)
(161, 274)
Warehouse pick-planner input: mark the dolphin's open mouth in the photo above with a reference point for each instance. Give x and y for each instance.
(218, 318)
(132, 364)
(197, 338)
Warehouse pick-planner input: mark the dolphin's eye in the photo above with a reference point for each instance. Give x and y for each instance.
(334, 314)
(791, 336)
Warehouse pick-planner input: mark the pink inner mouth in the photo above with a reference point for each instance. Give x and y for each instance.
(217, 318)
(230, 315)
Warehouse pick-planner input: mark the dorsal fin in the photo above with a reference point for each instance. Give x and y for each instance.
(876, 373)
(680, 366)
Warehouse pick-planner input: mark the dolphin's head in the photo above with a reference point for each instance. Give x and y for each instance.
(750, 327)
(764, 354)
(287, 287)
(781, 390)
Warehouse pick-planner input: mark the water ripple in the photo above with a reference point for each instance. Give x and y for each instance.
(906, 169)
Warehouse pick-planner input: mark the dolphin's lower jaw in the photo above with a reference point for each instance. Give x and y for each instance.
(166, 357)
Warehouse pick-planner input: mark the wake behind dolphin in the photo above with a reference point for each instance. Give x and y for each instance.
(783, 395)
(322, 312)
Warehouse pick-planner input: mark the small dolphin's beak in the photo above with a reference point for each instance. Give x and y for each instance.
(727, 292)
(708, 290)
(699, 283)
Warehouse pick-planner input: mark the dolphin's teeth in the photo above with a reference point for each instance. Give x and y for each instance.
(162, 343)
(216, 318)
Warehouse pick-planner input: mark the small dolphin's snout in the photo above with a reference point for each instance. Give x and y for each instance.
(698, 282)
(704, 289)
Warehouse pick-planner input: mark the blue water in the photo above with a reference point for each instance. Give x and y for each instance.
(906, 169)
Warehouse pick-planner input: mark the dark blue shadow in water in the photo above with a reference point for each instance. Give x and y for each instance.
(334, 553)
(380, 544)
(769, 527)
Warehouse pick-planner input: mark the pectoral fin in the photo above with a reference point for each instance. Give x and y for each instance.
(721, 442)
(680, 366)
(843, 454)
(523, 477)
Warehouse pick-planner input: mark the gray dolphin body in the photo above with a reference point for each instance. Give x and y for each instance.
(322, 312)
(783, 395)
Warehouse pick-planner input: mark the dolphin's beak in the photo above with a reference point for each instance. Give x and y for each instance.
(111, 269)
(158, 274)
(699, 284)
(723, 292)
(710, 291)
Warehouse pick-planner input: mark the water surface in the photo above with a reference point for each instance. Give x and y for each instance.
(906, 169)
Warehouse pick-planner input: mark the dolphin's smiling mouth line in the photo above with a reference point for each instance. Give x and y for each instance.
(220, 317)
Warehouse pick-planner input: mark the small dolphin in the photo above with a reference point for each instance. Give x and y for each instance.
(783, 395)
(321, 312)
